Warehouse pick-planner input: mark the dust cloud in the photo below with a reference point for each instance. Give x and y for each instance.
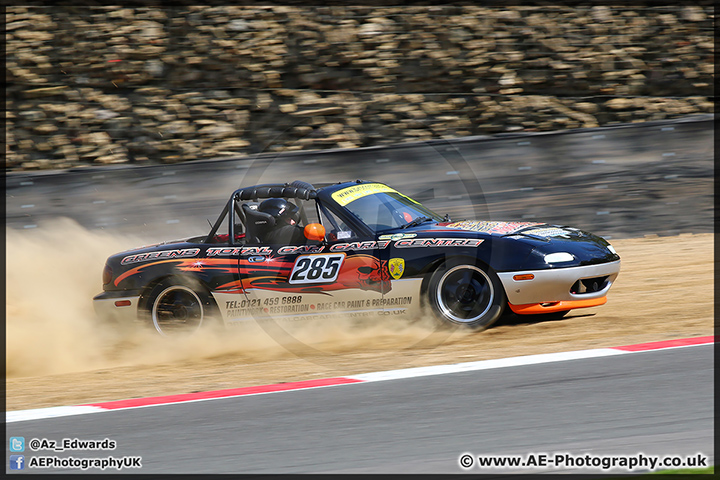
(54, 271)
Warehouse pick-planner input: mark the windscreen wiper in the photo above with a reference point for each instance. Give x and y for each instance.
(417, 221)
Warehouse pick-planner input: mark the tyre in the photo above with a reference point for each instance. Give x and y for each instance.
(466, 294)
(178, 306)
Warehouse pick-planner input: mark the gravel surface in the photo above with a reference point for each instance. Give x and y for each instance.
(664, 291)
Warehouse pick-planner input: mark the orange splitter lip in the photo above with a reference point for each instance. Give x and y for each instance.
(550, 307)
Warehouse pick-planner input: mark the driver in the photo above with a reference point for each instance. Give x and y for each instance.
(286, 230)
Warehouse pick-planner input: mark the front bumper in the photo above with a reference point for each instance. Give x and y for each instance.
(558, 284)
(120, 307)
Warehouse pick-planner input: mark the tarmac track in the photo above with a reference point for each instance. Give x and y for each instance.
(654, 403)
(650, 403)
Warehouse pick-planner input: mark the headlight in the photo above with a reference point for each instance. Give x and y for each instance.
(610, 247)
(558, 257)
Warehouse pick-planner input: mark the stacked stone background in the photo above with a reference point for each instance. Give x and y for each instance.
(112, 85)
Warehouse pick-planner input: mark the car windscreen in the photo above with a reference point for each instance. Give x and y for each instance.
(381, 207)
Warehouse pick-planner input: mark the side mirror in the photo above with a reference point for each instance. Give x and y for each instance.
(314, 231)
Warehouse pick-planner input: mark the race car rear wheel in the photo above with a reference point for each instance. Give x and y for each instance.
(467, 295)
(176, 307)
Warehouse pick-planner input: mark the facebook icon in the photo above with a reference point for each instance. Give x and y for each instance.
(17, 462)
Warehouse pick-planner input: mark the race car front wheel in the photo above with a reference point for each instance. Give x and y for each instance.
(466, 295)
(176, 307)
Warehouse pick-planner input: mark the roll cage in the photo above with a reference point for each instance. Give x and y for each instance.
(325, 206)
(295, 190)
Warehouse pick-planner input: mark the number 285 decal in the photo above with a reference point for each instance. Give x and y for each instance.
(316, 268)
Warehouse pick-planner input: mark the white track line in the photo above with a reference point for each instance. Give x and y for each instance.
(54, 412)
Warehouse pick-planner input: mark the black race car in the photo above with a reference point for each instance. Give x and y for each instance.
(357, 248)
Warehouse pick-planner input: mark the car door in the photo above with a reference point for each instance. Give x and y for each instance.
(400, 292)
(343, 274)
(363, 279)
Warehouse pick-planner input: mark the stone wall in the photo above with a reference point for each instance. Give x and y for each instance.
(106, 85)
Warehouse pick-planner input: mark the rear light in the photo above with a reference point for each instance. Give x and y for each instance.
(123, 303)
(107, 275)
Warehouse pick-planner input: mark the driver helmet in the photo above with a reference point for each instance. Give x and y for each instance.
(282, 210)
